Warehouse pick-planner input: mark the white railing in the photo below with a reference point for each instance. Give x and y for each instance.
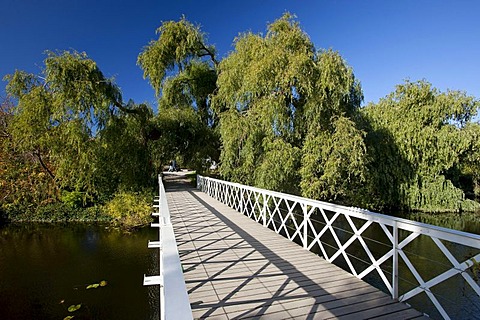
(432, 268)
(174, 302)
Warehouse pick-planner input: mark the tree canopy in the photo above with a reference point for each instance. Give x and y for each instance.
(284, 106)
(431, 139)
(276, 111)
(291, 120)
(69, 124)
(181, 67)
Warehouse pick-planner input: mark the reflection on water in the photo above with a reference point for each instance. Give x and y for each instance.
(468, 222)
(45, 268)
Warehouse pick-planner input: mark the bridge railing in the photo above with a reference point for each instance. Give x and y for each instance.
(433, 269)
(174, 302)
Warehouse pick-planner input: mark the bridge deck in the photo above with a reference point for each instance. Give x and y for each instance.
(235, 268)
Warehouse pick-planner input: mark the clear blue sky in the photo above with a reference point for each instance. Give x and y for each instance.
(384, 41)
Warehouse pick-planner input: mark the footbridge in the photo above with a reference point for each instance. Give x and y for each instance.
(229, 251)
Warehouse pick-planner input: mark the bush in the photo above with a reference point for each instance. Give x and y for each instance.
(129, 209)
(73, 199)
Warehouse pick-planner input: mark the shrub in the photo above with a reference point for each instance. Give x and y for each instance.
(73, 199)
(129, 209)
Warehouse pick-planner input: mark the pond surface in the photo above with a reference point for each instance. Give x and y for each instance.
(468, 222)
(44, 269)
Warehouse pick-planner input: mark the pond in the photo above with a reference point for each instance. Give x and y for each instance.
(45, 269)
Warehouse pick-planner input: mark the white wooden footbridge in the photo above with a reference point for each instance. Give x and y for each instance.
(229, 251)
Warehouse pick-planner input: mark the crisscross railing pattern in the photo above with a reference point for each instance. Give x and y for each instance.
(414, 262)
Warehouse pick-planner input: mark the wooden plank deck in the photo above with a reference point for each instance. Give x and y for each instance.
(235, 268)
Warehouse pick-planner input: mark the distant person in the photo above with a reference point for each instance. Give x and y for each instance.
(171, 166)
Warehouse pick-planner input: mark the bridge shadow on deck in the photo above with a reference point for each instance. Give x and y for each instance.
(236, 269)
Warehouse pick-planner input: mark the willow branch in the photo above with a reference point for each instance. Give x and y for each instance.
(126, 110)
(209, 53)
(44, 166)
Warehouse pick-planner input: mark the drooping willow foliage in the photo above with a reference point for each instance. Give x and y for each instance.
(68, 139)
(291, 120)
(276, 111)
(424, 148)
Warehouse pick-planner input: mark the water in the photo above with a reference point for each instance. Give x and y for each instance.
(44, 269)
(468, 222)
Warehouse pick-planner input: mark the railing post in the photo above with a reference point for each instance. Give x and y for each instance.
(241, 200)
(264, 213)
(395, 262)
(305, 226)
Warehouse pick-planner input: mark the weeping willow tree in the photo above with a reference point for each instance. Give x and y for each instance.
(181, 67)
(71, 122)
(22, 179)
(284, 106)
(431, 145)
(334, 156)
(262, 89)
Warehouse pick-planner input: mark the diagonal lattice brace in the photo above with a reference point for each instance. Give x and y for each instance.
(318, 235)
(276, 210)
(458, 268)
(422, 287)
(287, 216)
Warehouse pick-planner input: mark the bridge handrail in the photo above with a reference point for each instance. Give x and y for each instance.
(240, 197)
(460, 237)
(174, 301)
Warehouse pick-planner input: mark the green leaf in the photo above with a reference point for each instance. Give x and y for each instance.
(68, 317)
(93, 286)
(103, 283)
(74, 308)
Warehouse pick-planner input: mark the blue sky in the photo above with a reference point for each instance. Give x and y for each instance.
(384, 41)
